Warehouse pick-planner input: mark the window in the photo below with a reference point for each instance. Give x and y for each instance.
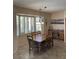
(32, 24)
(39, 23)
(17, 25)
(21, 24)
(28, 24)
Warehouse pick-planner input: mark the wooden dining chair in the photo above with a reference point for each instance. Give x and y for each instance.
(52, 42)
(33, 33)
(50, 38)
(33, 46)
(44, 46)
(30, 42)
(39, 32)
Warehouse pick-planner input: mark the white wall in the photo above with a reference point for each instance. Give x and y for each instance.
(57, 26)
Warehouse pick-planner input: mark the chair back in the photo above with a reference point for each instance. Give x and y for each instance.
(30, 41)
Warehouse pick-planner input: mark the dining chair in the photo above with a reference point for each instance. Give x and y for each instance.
(33, 33)
(52, 42)
(50, 38)
(33, 46)
(44, 46)
(30, 42)
(39, 32)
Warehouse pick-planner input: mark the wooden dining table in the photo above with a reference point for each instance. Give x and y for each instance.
(42, 41)
(39, 38)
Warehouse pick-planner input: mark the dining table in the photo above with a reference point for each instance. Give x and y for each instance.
(43, 42)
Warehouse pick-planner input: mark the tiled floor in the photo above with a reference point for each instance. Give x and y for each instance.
(57, 52)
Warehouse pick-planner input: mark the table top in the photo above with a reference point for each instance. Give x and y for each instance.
(39, 38)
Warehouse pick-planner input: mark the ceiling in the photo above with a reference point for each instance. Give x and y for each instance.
(52, 5)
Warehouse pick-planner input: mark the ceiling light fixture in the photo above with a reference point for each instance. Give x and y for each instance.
(41, 10)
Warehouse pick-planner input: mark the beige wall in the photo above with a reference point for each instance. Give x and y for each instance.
(29, 11)
(58, 15)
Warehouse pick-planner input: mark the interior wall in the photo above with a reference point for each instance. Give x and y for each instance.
(57, 26)
(58, 15)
